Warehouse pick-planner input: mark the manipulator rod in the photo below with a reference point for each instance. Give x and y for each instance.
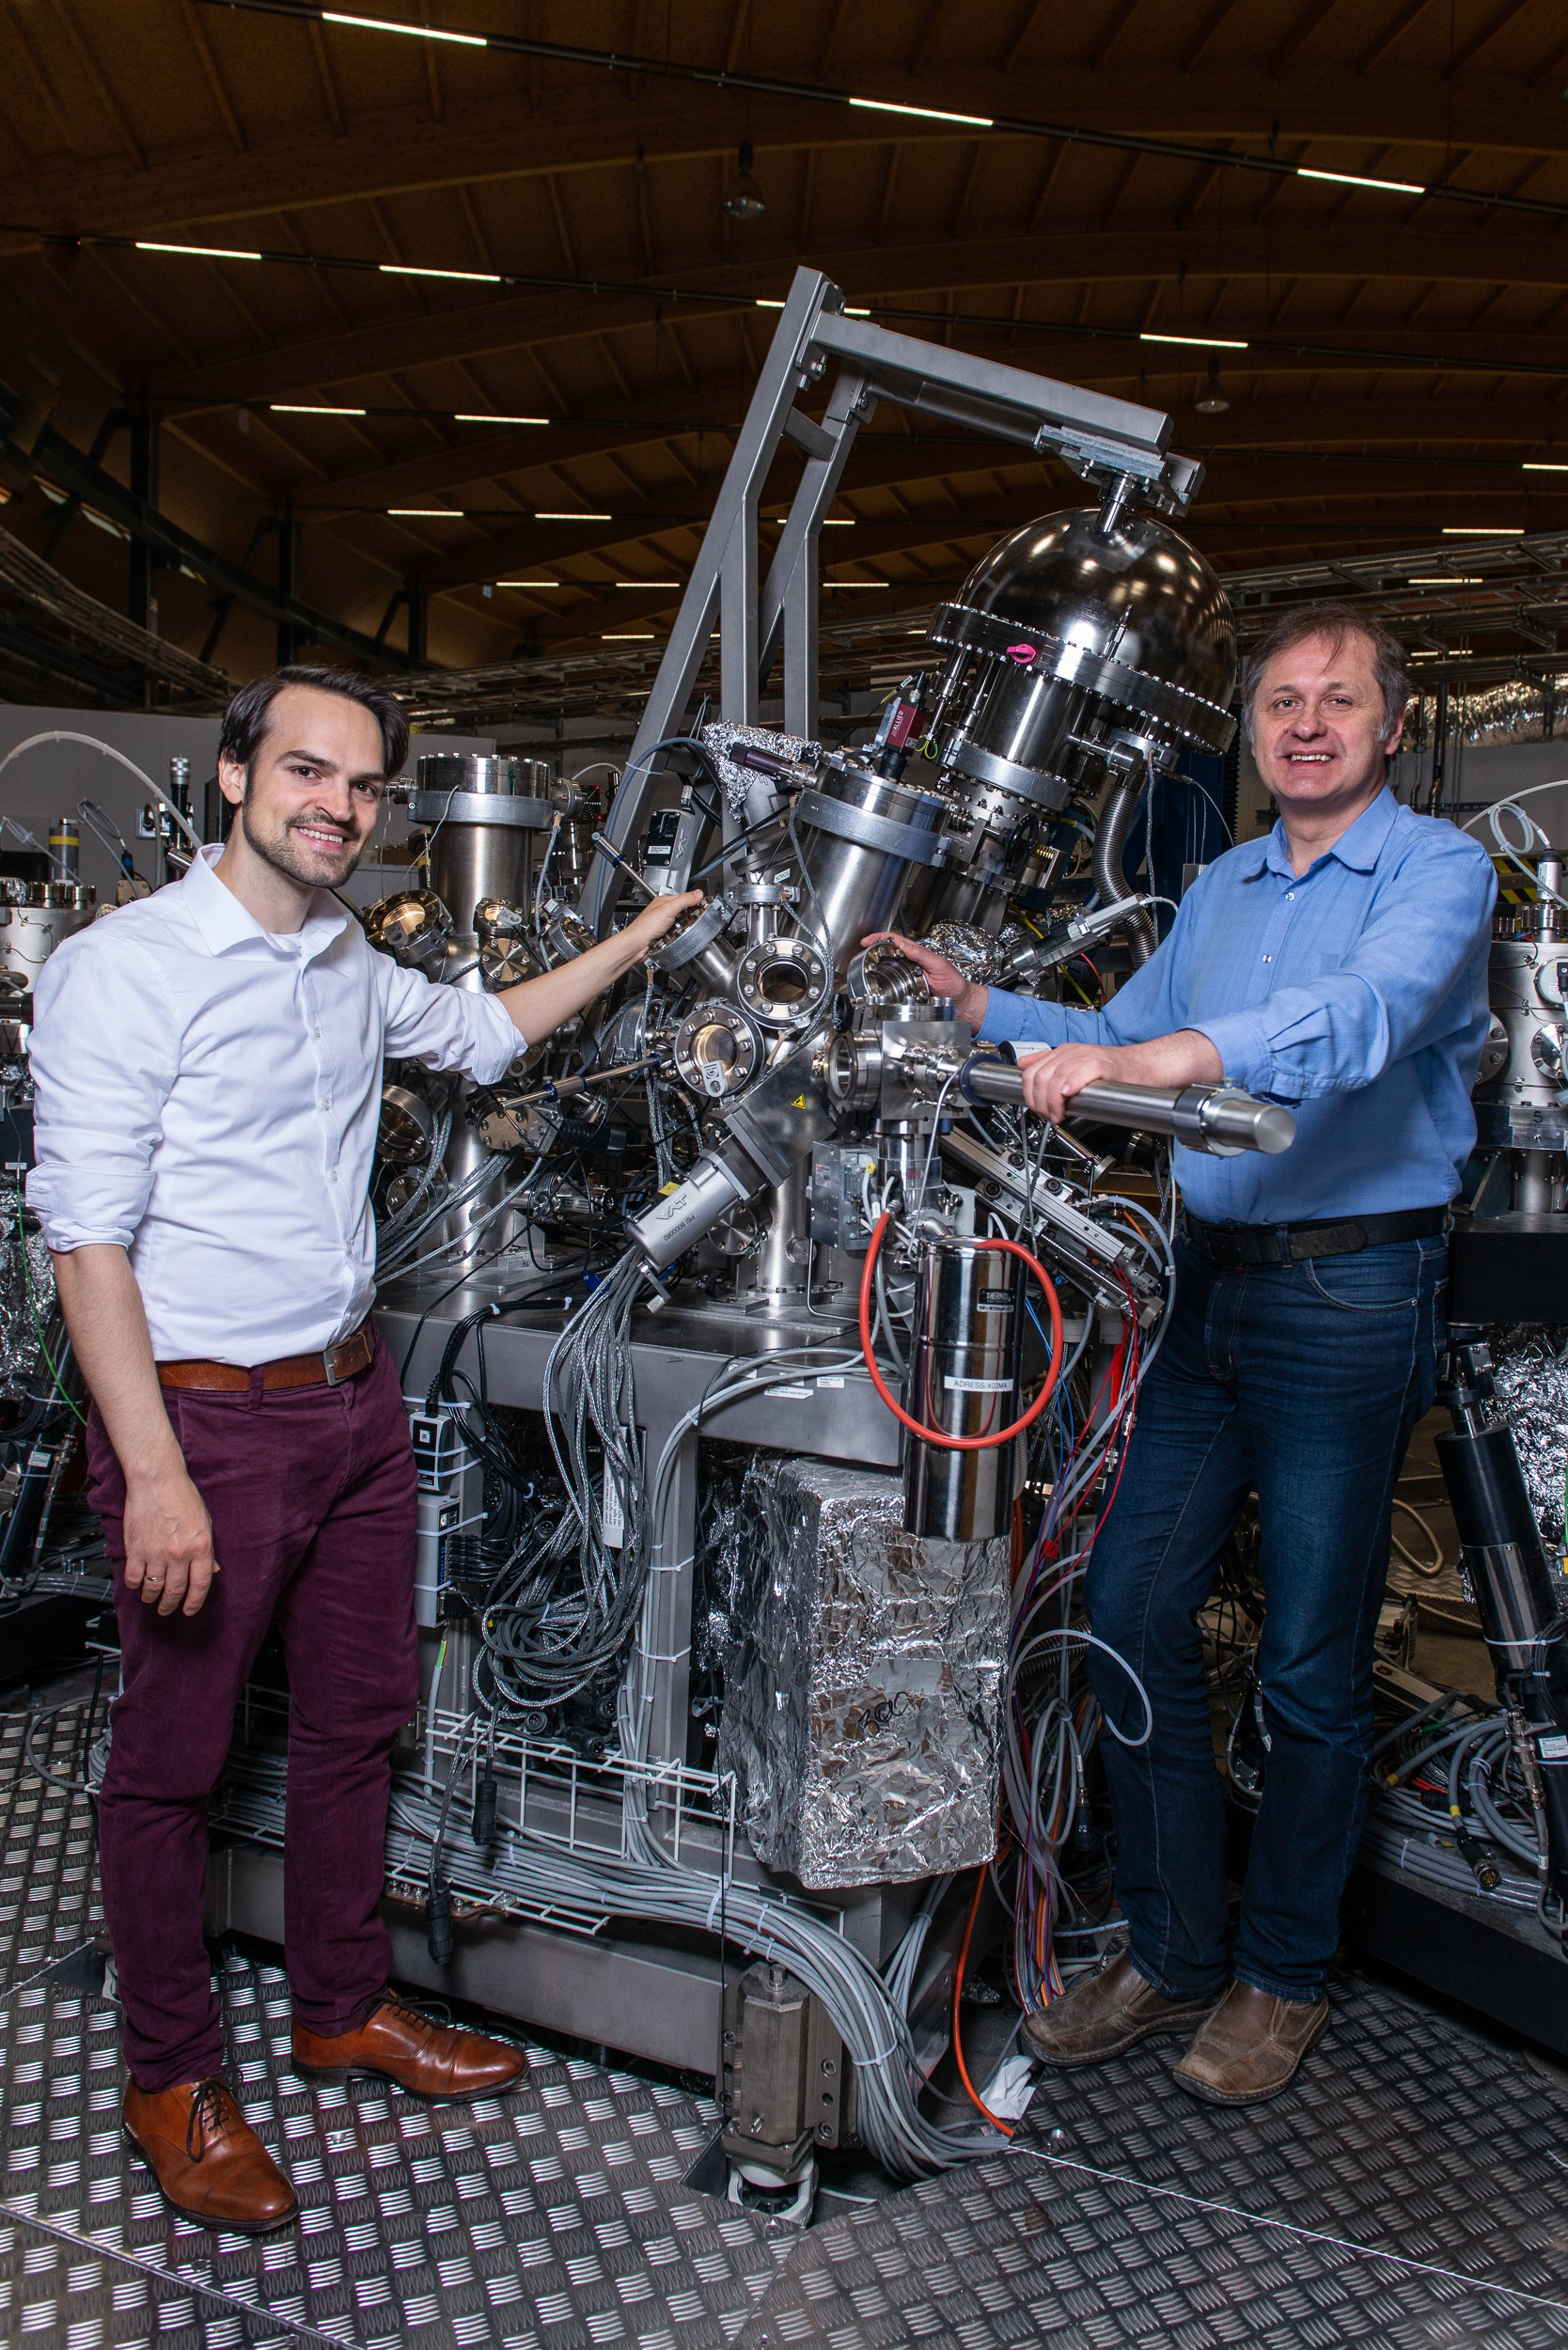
(1220, 1120)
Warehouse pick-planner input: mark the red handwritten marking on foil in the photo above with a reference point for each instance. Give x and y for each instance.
(1023, 654)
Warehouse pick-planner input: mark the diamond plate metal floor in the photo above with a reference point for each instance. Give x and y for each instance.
(48, 1891)
(1405, 2133)
(1408, 2192)
(1021, 2251)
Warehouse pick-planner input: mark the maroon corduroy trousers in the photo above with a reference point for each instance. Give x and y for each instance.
(311, 1494)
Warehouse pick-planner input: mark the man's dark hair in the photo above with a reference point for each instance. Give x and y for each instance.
(245, 724)
(1335, 621)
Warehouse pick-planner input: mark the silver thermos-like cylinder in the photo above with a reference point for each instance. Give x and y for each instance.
(964, 1378)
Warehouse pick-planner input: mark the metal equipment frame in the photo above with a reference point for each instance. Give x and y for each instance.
(1111, 442)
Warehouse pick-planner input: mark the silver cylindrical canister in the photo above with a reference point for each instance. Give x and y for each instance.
(677, 1222)
(861, 836)
(964, 1378)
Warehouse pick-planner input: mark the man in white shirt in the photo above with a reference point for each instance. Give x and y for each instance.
(208, 1065)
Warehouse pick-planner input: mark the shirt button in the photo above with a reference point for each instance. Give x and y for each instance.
(1268, 957)
(1289, 896)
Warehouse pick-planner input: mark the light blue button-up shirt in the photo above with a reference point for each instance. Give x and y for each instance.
(1355, 992)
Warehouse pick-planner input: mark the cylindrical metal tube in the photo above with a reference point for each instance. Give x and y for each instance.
(672, 1225)
(64, 848)
(1203, 1117)
(853, 886)
(1496, 1523)
(963, 1379)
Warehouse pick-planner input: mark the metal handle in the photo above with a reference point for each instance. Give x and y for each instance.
(1215, 1118)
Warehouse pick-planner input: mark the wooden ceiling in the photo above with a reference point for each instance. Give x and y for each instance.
(1404, 354)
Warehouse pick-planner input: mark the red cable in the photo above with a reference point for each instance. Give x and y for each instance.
(974, 2095)
(936, 1435)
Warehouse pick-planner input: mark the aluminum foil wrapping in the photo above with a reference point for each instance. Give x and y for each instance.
(1532, 1378)
(21, 1360)
(862, 1692)
(720, 738)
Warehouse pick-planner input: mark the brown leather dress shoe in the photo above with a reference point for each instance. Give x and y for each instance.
(1251, 2046)
(1106, 2012)
(207, 2159)
(396, 2042)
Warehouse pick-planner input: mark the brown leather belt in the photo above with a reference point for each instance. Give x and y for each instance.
(350, 1355)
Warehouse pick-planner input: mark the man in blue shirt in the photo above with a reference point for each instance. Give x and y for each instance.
(1340, 966)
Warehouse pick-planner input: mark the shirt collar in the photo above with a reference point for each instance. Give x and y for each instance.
(225, 923)
(1359, 848)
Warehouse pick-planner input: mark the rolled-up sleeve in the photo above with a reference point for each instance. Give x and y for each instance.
(447, 1028)
(104, 1052)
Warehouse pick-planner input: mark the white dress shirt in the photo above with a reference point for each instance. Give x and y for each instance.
(207, 1097)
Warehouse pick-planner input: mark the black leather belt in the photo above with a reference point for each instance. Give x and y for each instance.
(1287, 1244)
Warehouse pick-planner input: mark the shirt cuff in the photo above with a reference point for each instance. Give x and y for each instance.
(83, 1220)
(1242, 1042)
(498, 1042)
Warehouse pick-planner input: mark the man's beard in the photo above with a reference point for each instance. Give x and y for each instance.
(309, 867)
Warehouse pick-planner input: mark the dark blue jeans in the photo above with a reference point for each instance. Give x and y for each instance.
(1301, 1382)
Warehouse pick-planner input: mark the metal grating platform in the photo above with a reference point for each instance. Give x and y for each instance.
(1410, 2192)
(47, 1891)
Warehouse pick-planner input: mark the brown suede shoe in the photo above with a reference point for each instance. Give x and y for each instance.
(1104, 2014)
(1251, 2046)
(396, 2042)
(207, 2161)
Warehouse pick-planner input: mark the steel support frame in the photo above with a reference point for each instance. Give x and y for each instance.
(1101, 438)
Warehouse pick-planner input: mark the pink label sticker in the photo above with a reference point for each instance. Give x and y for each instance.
(1023, 654)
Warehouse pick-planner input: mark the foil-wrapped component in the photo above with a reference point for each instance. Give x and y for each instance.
(863, 1687)
(26, 1301)
(1531, 1379)
(720, 739)
(975, 953)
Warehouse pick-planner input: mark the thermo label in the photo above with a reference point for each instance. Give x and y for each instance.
(980, 1386)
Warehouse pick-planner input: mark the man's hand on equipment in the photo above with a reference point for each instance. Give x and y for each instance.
(168, 1542)
(1051, 1079)
(659, 915)
(946, 980)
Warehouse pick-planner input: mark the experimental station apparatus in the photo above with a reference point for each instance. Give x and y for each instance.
(769, 1369)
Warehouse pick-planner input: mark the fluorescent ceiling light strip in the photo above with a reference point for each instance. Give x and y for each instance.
(648, 583)
(1483, 530)
(925, 114)
(857, 583)
(1202, 343)
(466, 416)
(412, 269)
(527, 582)
(1360, 180)
(1447, 579)
(201, 252)
(766, 302)
(838, 522)
(627, 636)
(441, 513)
(1546, 464)
(309, 407)
(573, 518)
(416, 32)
